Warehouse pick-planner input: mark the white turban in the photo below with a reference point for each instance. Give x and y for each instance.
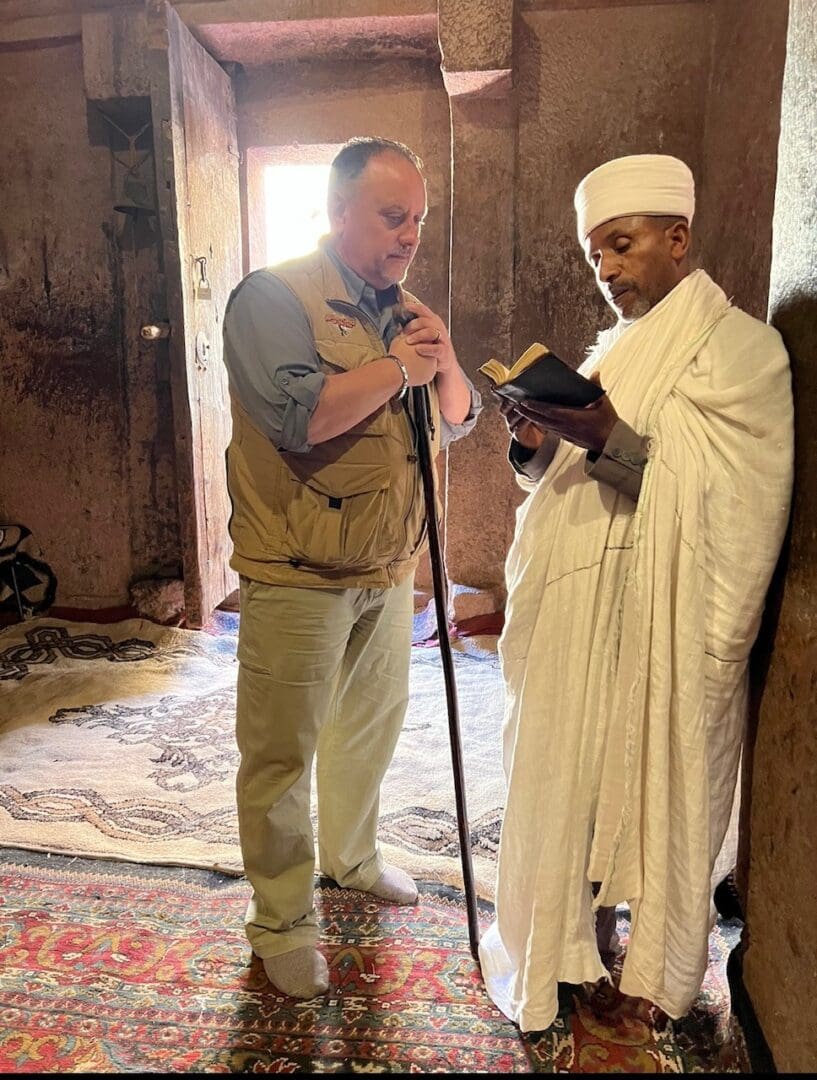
(631, 186)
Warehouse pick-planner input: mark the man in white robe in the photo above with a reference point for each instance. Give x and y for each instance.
(636, 582)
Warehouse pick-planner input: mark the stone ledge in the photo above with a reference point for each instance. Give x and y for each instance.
(497, 83)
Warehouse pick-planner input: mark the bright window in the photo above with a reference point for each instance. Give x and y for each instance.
(295, 209)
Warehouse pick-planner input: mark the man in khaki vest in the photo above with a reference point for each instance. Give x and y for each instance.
(328, 525)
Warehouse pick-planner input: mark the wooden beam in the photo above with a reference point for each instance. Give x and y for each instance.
(39, 20)
(14, 10)
(22, 31)
(579, 5)
(201, 12)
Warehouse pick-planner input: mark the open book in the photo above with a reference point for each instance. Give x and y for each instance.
(541, 375)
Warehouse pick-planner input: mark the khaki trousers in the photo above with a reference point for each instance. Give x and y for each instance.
(326, 671)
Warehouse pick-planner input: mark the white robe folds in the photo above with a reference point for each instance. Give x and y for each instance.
(625, 650)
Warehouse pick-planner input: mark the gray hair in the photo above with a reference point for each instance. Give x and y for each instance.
(354, 156)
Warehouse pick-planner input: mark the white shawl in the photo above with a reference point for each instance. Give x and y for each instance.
(625, 656)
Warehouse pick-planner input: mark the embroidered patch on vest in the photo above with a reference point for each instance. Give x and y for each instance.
(343, 323)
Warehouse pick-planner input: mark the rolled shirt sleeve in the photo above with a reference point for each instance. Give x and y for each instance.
(451, 432)
(274, 369)
(271, 361)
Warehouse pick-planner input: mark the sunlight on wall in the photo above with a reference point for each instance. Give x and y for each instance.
(295, 205)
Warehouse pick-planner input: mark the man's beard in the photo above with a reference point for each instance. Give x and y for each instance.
(639, 308)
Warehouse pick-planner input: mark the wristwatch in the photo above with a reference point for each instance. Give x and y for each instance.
(401, 393)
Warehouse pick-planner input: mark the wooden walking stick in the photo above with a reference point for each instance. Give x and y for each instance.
(422, 419)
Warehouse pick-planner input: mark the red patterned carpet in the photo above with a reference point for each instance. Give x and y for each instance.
(113, 968)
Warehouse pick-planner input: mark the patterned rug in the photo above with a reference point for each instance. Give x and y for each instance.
(116, 741)
(149, 970)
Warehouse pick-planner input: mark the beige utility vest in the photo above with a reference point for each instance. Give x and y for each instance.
(350, 512)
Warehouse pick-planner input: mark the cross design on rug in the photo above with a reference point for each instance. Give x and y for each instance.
(45, 643)
(436, 832)
(122, 819)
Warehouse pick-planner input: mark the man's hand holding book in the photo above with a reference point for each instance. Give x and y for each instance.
(543, 393)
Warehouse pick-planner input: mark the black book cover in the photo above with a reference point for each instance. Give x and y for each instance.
(546, 378)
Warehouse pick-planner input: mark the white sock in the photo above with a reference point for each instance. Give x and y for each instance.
(395, 885)
(302, 973)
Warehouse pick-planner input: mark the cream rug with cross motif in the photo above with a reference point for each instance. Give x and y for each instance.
(116, 741)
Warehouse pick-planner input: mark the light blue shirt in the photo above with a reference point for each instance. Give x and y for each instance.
(273, 366)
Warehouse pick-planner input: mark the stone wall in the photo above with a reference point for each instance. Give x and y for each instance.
(739, 161)
(780, 835)
(593, 84)
(86, 455)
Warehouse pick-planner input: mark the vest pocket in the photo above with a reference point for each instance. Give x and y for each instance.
(342, 527)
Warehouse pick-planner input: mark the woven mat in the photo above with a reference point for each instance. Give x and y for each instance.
(116, 741)
(104, 970)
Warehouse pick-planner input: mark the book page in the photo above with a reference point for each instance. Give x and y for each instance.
(496, 371)
(533, 353)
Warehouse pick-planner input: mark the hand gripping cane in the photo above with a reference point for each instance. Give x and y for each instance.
(422, 419)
